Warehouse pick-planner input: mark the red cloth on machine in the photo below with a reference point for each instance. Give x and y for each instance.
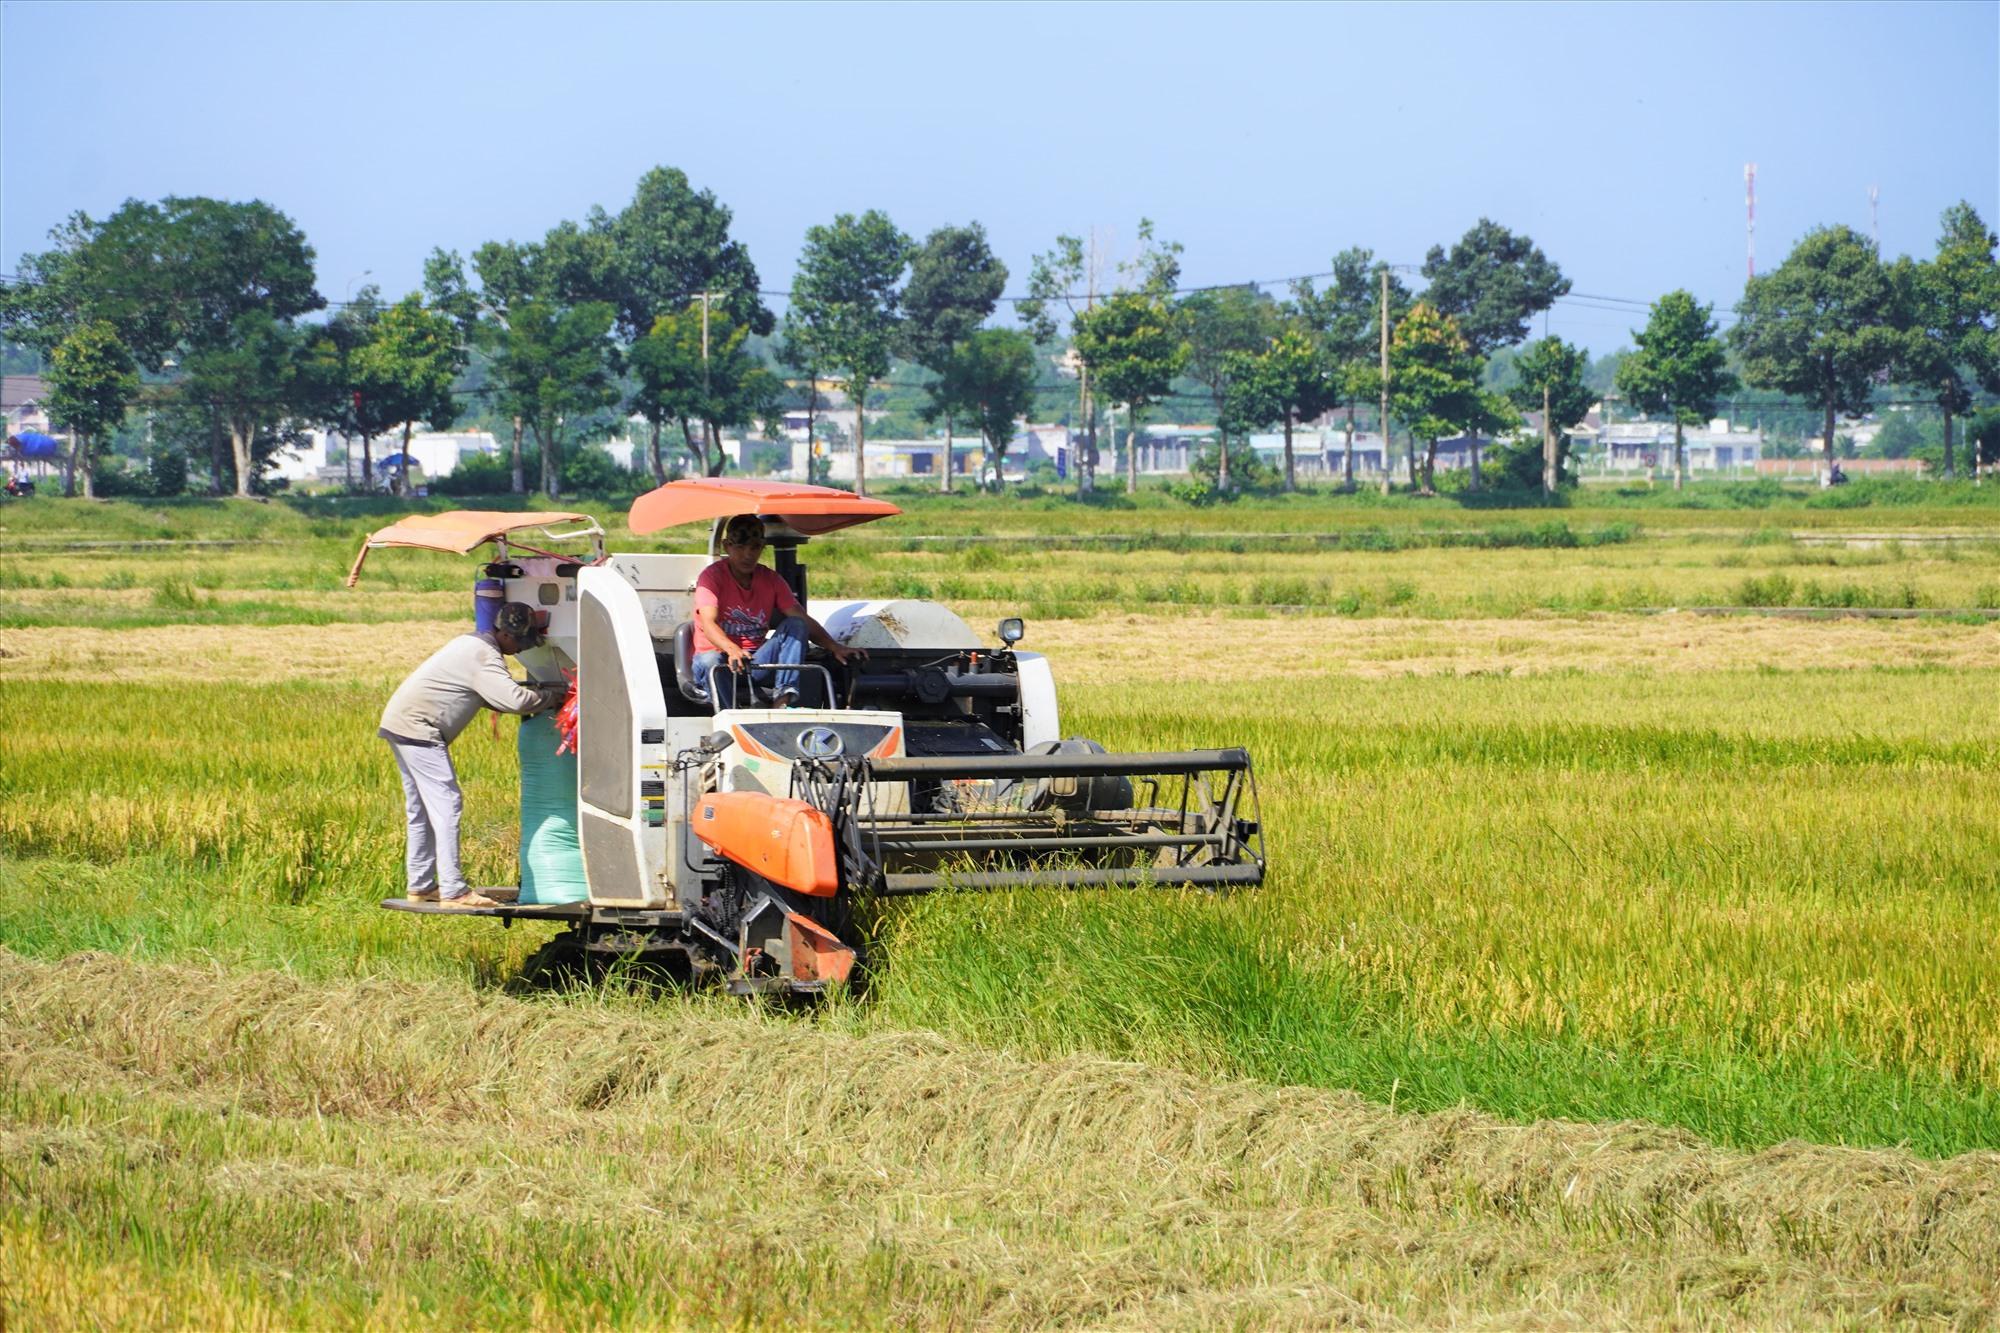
(566, 717)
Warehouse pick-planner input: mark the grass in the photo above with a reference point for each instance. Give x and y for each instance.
(1535, 859)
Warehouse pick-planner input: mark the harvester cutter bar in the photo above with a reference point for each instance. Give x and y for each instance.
(1045, 843)
(1212, 876)
(1179, 762)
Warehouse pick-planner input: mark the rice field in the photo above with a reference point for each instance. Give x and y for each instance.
(1619, 964)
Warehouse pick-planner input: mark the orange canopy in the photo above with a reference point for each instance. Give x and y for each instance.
(812, 510)
(460, 531)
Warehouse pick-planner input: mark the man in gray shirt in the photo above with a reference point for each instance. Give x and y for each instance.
(426, 714)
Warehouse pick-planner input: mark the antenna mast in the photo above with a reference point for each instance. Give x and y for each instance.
(1750, 207)
(1874, 227)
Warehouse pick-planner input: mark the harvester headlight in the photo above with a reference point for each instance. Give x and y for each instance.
(1012, 630)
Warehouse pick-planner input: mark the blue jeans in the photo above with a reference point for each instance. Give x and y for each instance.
(786, 647)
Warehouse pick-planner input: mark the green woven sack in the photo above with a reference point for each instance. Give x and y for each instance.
(551, 858)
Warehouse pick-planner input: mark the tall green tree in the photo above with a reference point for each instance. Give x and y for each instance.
(991, 378)
(1820, 327)
(955, 282)
(252, 380)
(1347, 319)
(674, 383)
(1680, 367)
(505, 276)
(92, 380)
(331, 391)
(239, 274)
(666, 385)
(1226, 328)
(97, 270)
(800, 351)
(1550, 379)
(667, 246)
(848, 293)
(1490, 284)
(538, 316)
(1951, 303)
(407, 370)
(1155, 266)
(554, 370)
(1134, 347)
(1291, 380)
(1434, 384)
(1062, 285)
(212, 282)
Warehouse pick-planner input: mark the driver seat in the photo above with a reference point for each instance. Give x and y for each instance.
(684, 665)
(690, 688)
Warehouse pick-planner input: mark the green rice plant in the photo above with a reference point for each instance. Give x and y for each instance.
(1772, 589)
(177, 595)
(1522, 923)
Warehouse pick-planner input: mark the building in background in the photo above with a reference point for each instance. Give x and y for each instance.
(1626, 447)
(21, 399)
(438, 453)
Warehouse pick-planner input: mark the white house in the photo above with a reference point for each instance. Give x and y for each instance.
(1648, 446)
(437, 452)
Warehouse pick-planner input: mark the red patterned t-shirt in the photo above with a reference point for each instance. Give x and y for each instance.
(744, 616)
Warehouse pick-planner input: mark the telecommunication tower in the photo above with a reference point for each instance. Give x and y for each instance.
(1750, 208)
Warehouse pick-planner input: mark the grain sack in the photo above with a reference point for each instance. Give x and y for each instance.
(551, 859)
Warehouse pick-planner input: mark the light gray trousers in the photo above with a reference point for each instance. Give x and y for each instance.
(433, 803)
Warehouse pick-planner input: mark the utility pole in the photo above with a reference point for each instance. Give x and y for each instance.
(709, 438)
(1750, 215)
(1086, 474)
(1548, 448)
(1608, 396)
(1383, 320)
(1874, 226)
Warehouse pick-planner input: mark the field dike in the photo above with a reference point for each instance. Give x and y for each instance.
(291, 1153)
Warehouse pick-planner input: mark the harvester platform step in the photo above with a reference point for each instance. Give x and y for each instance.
(504, 896)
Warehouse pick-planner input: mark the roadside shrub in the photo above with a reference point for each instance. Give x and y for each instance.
(166, 472)
(596, 471)
(116, 483)
(1247, 471)
(1195, 492)
(481, 474)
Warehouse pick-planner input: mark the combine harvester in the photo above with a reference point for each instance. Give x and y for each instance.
(734, 844)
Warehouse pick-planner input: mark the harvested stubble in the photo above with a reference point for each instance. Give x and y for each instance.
(1125, 647)
(599, 1165)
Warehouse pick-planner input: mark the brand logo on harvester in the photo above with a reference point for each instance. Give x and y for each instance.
(819, 742)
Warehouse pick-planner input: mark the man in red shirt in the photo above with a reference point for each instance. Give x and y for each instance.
(735, 601)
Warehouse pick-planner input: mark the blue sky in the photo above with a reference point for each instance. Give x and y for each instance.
(1264, 138)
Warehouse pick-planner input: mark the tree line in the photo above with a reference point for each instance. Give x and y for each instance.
(197, 310)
